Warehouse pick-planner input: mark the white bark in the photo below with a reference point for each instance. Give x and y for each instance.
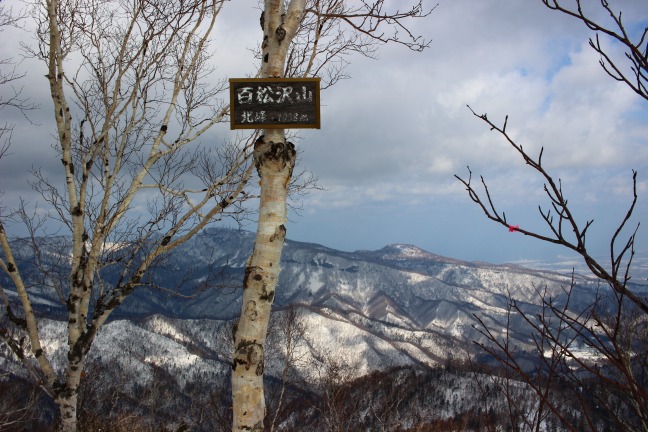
(274, 159)
(275, 163)
(140, 78)
(111, 154)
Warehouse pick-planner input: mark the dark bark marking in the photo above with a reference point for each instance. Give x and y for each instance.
(75, 354)
(280, 233)
(283, 153)
(280, 34)
(267, 296)
(136, 279)
(226, 202)
(250, 310)
(251, 272)
(256, 427)
(57, 387)
(249, 353)
(71, 304)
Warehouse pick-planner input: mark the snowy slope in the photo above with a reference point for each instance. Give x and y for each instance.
(395, 306)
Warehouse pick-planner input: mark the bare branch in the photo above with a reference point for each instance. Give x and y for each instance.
(559, 203)
(635, 76)
(137, 95)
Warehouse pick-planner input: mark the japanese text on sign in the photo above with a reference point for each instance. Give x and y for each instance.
(274, 103)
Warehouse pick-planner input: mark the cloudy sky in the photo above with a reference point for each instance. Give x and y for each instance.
(394, 135)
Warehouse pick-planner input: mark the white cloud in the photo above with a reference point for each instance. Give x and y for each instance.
(397, 132)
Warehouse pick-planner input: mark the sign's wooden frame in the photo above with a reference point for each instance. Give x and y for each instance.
(285, 113)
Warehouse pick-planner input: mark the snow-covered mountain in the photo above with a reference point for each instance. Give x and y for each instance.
(399, 308)
(398, 305)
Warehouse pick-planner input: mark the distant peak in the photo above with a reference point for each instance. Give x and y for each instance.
(400, 252)
(405, 251)
(408, 249)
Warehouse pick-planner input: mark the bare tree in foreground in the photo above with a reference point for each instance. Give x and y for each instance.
(287, 345)
(591, 359)
(11, 97)
(300, 38)
(612, 330)
(130, 89)
(634, 72)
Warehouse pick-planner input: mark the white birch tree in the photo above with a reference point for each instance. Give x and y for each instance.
(130, 88)
(300, 38)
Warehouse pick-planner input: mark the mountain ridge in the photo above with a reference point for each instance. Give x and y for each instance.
(417, 302)
(399, 308)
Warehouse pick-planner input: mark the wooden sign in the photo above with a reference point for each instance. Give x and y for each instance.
(274, 103)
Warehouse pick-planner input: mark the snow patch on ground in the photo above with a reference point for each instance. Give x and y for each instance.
(163, 327)
(315, 283)
(416, 277)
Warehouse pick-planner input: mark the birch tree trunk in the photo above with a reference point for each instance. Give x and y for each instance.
(131, 88)
(313, 38)
(126, 108)
(274, 159)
